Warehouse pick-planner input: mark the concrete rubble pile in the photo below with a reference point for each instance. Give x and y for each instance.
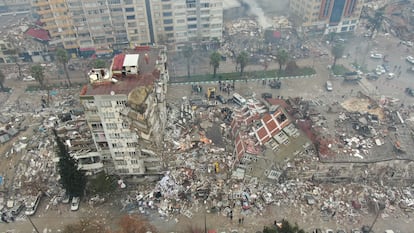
(36, 167)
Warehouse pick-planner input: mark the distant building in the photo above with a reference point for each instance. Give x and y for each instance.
(327, 15)
(14, 5)
(125, 108)
(105, 25)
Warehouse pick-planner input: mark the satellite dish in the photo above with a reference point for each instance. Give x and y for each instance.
(112, 92)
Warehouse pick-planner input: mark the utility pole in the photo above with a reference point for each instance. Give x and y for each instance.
(30, 220)
(379, 206)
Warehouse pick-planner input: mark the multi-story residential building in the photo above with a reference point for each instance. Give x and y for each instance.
(327, 15)
(125, 109)
(119, 24)
(14, 5)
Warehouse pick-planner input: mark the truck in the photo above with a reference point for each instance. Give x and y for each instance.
(352, 77)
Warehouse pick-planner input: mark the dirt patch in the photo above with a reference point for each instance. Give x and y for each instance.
(363, 105)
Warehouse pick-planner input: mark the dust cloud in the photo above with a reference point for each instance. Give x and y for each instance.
(260, 8)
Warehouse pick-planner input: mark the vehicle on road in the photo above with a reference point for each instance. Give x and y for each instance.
(407, 43)
(266, 95)
(238, 99)
(409, 91)
(341, 231)
(221, 99)
(410, 59)
(75, 203)
(389, 231)
(32, 205)
(376, 56)
(411, 69)
(29, 79)
(329, 231)
(390, 76)
(275, 84)
(352, 77)
(380, 70)
(387, 68)
(356, 231)
(329, 86)
(372, 76)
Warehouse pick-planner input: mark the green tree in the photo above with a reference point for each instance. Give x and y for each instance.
(2, 79)
(102, 183)
(72, 179)
(62, 58)
(38, 73)
(282, 58)
(98, 63)
(242, 60)
(188, 54)
(376, 22)
(215, 62)
(337, 52)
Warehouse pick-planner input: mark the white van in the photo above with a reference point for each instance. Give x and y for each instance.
(329, 86)
(238, 99)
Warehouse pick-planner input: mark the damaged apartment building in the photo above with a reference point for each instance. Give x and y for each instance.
(265, 140)
(125, 109)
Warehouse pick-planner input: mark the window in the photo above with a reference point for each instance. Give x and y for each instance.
(129, 9)
(129, 17)
(166, 7)
(192, 19)
(192, 26)
(168, 21)
(168, 29)
(111, 126)
(134, 161)
(167, 14)
(128, 1)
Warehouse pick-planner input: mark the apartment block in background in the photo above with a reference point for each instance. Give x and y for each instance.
(327, 15)
(119, 24)
(125, 109)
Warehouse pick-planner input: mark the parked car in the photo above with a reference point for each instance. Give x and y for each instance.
(407, 43)
(75, 203)
(376, 55)
(329, 86)
(266, 95)
(372, 76)
(411, 69)
(410, 59)
(387, 68)
(330, 231)
(29, 79)
(221, 99)
(390, 76)
(31, 205)
(66, 199)
(356, 231)
(341, 231)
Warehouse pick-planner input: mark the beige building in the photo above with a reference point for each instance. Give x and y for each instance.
(118, 24)
(327, 15)
(126, 111)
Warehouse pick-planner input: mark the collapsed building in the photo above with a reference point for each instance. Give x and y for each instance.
(125, 110)
(265, 140)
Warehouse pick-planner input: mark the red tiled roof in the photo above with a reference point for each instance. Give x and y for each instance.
(118, 62)
(270, 126)
(38, 33)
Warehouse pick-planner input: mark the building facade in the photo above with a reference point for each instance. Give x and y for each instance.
(126, 113)
(119, 24)
(327, 15)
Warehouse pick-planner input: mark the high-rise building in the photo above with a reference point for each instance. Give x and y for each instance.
(118, 24)
(327, 15)
(125, 109)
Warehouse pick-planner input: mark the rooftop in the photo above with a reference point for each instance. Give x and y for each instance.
(147, 60)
